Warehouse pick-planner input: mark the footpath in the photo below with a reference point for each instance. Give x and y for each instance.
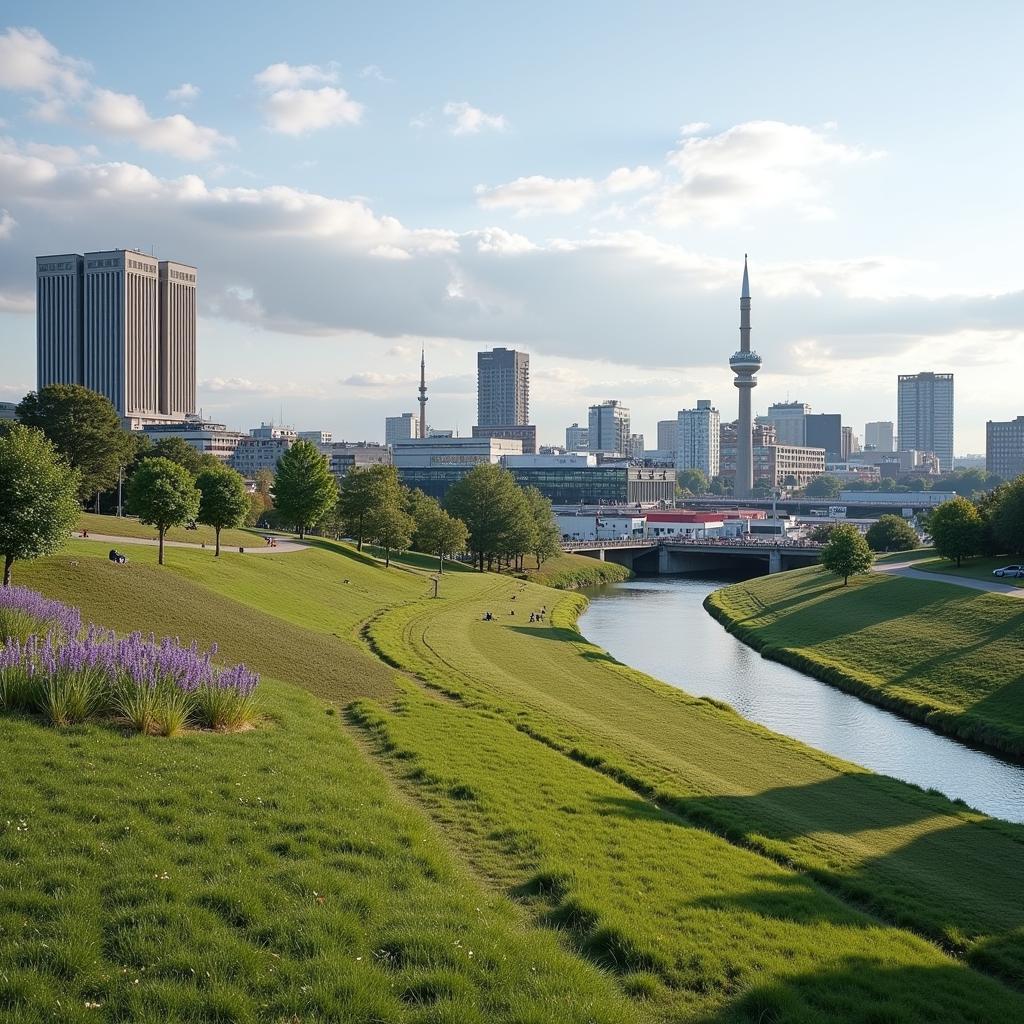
(907, 570)
(259, 546)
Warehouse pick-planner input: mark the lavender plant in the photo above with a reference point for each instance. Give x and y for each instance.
(69, 674)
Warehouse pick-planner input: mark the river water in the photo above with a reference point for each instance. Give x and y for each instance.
(659, 626)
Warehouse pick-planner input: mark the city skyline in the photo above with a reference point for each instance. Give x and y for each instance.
(579, 231)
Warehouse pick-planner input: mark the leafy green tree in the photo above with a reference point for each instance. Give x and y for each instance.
(442, 535)
(223, 500)
(304, 489)
(163, 494)
(84, 427)
(969, 482)
(693, 480)
(824, 486)
(891, 533)
(956, 529)
(820, 532)
(547, 540)
(887, 483)
(492, 506)
(38, 496)
(390, 527)
(846, 553)
(362, 491)
(987, 503)
(1007, 517)
(719, 485)
(178, 450)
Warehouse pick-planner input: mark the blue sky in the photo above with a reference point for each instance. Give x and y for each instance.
(578, 180)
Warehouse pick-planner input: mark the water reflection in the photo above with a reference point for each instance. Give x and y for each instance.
(659, 626)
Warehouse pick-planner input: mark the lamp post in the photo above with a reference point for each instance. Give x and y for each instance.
(120, 477)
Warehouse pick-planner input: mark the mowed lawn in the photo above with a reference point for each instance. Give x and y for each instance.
(915, 859)
(944, 655)
(126, 526)
(269, 876)
(973, 568)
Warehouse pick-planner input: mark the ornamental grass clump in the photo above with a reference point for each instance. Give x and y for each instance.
(69, 674)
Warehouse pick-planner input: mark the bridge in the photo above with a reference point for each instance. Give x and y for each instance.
(666, 556)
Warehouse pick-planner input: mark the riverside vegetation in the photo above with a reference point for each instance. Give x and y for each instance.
(447, 819)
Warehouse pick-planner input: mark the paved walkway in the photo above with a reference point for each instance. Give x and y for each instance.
(259, 546)
(906, 569)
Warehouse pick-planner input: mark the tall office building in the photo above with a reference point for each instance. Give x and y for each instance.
(668, 437)
(699, 433)
(825, 430)
(400, 428)
(121, 323)
(1004, 448)
(502, 388)
(744, 364)
(635, 447)
(609, 428)
(577, 438)
(879, 436)
(789, 420)
(924, 419)
(177, 311)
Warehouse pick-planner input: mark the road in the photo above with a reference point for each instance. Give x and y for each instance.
(259, 547)
(906, 569)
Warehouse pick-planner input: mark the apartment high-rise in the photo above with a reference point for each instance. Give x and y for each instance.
(121, 323)
(577, 438)
(825, 430)
(609, 428)
(668, 437)
(400, 428)
(924, 419)
(1004, 447)
(879, 435)
(699, 433)
(502, 388)
(789, 420)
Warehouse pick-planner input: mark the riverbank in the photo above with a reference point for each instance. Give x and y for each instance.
(938, 654)
(614, 850)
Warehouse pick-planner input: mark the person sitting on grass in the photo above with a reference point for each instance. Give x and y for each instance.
(116, 556)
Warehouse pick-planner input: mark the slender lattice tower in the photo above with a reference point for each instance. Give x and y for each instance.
(744, 364)
(423, 394)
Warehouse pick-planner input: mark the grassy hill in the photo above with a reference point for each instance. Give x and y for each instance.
(943, 655)
(446, 819)
(126, 526)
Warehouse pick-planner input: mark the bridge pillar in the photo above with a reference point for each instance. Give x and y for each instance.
(774, 562)
(600, 554)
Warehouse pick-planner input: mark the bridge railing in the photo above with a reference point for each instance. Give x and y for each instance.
(754, 543)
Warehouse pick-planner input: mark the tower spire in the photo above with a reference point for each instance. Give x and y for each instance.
(423, 392)
(744, 364)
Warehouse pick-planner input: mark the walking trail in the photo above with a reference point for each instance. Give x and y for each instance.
(906, 569)
(259, 547)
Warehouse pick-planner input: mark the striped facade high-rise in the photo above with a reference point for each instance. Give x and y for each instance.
(123, 324)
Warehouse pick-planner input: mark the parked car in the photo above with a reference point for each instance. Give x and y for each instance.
(1009, 570)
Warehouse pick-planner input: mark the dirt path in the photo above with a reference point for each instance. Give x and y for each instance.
(259, 547)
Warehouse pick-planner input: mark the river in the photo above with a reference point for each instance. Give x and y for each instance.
(659, 626)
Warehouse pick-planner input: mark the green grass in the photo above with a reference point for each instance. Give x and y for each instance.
(973, 568)
(571, 572)
(653, 856)
(940, 654)
(125, 526)
(265, 876)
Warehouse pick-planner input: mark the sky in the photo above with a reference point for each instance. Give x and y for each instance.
(580, 181)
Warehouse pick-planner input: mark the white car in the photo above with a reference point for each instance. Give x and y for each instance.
(1009, 570)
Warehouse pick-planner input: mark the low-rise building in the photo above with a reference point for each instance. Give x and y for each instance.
(577, 438)
(317, 437)
(205, 436)
(253, 454)
(8, 411)
(525, 433)
(345, 456)
(583, 479)
(598, 525)
(434, 464)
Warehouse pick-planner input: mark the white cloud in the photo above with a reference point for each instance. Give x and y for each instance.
(123, 114)
(538, 194)
(184, 93)
(629, 179)
(293, 110)
(297, 111)
(498, 240)
(694, 128)
(291, 76)
(373, 71)
(29, 62)
(755, 165)
(469, 120)
(49, 111)
(61, 154)
(244, 386)
(372, 379)
(7, 224)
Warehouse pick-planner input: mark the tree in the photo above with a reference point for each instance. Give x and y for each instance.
(178, 450)
(821, 532)
(163, 494)
(223, 500)
(1007, 517)
(846, 553)
(693, 480)
(824, 486)
(389, 526)
(84, 427)
(442, 534)
(362, 491)
(988, 504)
(546, 535)
(956, 529)
(492, 506)
(304, 489)
(38, 496)
(891, 533)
